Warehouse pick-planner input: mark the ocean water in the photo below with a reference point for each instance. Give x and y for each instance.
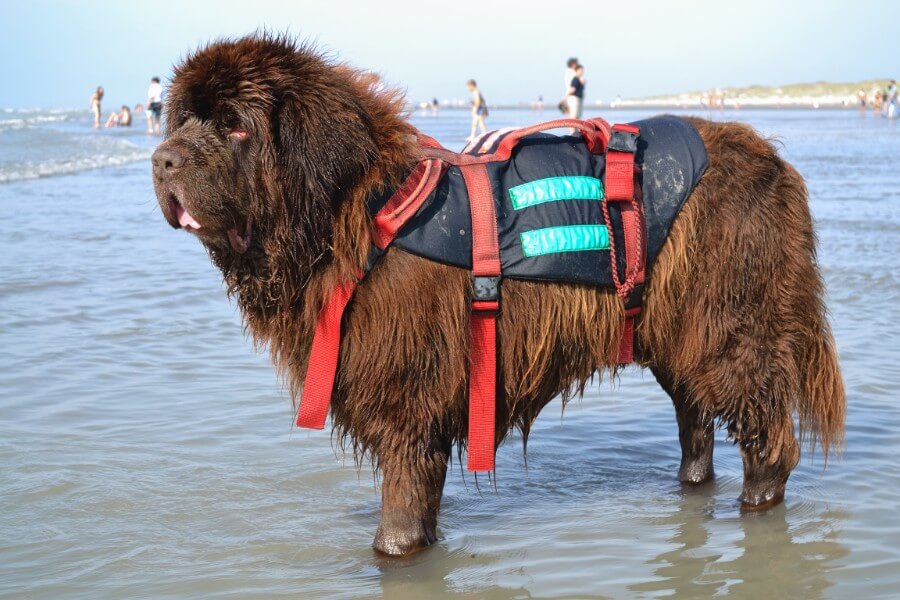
(43, 143)
(148, 451)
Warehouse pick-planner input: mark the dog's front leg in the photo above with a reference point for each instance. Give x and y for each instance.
(413, 474)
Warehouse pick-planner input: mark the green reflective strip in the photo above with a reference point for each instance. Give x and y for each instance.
(552, 189)
(568, 238)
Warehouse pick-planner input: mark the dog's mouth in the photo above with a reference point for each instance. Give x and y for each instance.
(239, 237)
(185, 220)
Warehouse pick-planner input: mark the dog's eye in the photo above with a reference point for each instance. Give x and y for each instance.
(237, 134)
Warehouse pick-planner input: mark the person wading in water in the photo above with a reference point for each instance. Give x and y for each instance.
(479, 109)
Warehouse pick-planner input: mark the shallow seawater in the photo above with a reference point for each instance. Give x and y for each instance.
(148, 450)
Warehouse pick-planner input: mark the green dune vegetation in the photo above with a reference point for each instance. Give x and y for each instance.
(819, 94)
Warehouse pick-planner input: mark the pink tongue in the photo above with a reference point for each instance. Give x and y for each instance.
(184, 218)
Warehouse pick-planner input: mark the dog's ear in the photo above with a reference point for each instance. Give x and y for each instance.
(324, 145)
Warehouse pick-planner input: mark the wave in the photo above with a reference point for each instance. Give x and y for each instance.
(14, 172)
(50, 142)
(19, 118)
(6, 124)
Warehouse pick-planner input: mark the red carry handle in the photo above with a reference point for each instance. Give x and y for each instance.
(595, 132)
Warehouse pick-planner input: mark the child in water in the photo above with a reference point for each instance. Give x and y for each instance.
(120, 119)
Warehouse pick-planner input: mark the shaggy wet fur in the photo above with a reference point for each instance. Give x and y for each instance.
(734, 327)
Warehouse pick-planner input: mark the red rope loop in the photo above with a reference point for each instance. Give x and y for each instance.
(624, 288)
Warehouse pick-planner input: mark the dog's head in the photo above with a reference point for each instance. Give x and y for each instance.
(264, 138)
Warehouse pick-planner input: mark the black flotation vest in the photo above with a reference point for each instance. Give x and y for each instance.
(548, 204)
(593, 208)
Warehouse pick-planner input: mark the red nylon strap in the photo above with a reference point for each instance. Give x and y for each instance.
(426, 141)
(323, 359)
(485, 240)
(405, 202)
(325, 352)
(619, 176)
(483, 321)
(620, 187)
(626, 341)
(482, 388)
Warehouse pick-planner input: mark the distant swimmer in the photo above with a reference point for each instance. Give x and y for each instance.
(120, 119)
(154, 105)
(479, 109)
(95, 105)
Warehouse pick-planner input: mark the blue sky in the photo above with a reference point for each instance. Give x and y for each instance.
(55, 53)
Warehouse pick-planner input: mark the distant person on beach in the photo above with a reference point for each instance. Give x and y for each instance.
(720, 99)
(435, 105)
(889, 104)
(876, 100)
(138, 109)
(154, 105)
(575, 93)
(95, 105)
(479, 109)
(120, 119)
(571, 64)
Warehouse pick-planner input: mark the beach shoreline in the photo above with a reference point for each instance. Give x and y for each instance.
(643, 106)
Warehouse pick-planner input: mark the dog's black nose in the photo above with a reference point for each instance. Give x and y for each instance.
(167, 160)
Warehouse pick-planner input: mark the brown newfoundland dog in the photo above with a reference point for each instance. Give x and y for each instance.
(271, 152)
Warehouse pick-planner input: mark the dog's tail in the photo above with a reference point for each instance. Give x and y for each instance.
(823, 404)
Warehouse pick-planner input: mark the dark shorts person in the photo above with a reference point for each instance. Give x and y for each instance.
(155, 108)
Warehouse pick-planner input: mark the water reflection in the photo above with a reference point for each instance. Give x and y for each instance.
(436, 573)
(787, 552)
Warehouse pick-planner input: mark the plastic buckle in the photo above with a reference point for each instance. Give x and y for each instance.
(486, 294)
(486, 289)
(623, 140)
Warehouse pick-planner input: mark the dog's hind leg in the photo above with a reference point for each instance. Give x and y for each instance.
(768, 464)
(734, 310)
(411, 490)
(695, 432)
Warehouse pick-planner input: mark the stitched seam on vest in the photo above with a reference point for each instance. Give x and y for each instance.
(554, 189)
(567, 238)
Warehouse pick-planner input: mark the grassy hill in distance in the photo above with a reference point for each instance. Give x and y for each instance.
(818, 94)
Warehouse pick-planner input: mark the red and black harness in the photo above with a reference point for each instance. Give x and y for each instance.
(618, 144)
